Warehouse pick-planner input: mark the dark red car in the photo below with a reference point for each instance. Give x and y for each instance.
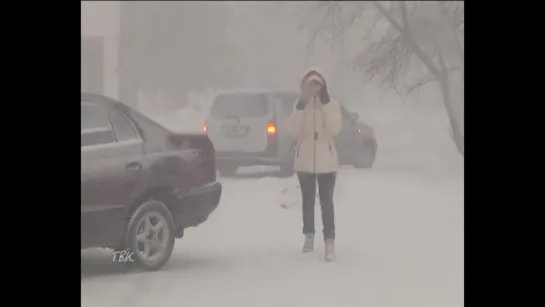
(141, 184)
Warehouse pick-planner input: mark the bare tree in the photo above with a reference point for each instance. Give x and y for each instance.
(401, 39)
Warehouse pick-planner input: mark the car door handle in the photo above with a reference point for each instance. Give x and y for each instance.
(133, 166)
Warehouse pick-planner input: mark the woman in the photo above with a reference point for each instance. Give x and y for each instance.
(314, 122)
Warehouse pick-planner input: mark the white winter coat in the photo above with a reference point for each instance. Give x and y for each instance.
(316, 156)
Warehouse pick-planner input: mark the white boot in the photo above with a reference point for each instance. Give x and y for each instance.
(330, 250)
(308, 246)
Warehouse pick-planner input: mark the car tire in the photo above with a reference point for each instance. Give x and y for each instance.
(366, 156)
(227, 170)
(139, 243)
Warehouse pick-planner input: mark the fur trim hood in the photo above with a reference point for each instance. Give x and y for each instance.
(315, 73)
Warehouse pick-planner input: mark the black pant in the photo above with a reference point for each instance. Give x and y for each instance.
(326, 183)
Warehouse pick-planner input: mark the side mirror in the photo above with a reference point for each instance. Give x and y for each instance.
(354, 117)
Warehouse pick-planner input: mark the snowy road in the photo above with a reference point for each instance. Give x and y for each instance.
(399, 244)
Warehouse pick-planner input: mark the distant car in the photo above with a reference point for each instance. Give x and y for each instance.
(141, 184)
(356, 143)
(247, 128)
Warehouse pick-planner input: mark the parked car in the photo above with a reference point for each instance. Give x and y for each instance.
(356, 143)
(247, 128)
(141, 184)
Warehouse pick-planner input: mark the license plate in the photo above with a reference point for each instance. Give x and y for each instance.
(234, 130)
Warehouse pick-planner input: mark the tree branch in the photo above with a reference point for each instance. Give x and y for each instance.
(390, 18)
(443, 77)
(453, 27)
(410, 39)
(404, 16)
(428, 79)
(328, 14)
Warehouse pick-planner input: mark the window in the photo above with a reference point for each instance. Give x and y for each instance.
(124, 130)
(240, 105)
(95, 126)
(93, 117)
(287, 101)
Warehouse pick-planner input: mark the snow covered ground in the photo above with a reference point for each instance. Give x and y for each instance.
(399, 244)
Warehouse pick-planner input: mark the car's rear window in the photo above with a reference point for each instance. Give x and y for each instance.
(287, 101)
(240, 105)
(93, 117)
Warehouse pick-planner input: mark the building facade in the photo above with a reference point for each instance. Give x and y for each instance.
(100, 32)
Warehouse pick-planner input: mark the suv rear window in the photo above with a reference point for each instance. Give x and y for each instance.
(287, 101)
(240, 105)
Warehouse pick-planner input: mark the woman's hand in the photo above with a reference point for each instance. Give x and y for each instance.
(301, 103)
(324, 96)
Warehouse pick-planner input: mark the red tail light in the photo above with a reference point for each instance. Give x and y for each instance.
(271, 128)
(205, 128)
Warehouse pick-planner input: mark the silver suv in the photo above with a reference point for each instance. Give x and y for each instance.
(247, 127)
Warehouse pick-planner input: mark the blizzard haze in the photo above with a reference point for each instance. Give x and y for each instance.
(400, 223)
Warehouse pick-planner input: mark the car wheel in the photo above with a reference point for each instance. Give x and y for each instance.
(150, 235)
(366, 157)
(227, 170)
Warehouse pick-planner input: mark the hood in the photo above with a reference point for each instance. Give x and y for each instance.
(316, 73)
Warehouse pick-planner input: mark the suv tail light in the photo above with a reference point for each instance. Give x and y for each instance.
(272, 138)
(271, 128)
(205, 128)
